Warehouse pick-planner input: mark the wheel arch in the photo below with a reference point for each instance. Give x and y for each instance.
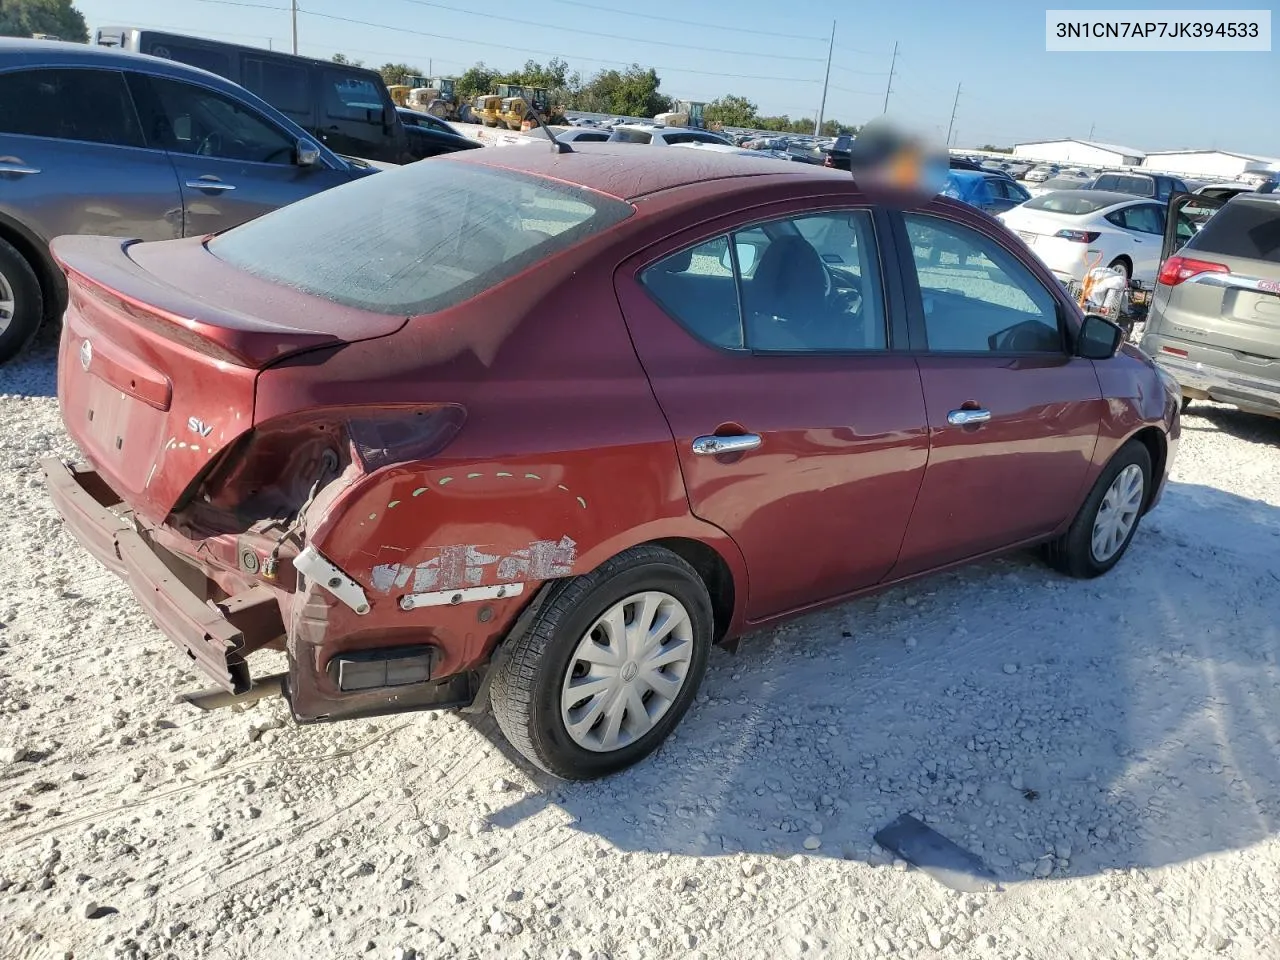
(36, 252)
(1157, 445)
(715, 573)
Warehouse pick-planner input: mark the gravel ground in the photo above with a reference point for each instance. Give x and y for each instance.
(1111, 748)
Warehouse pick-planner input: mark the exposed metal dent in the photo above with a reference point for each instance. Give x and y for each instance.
(311, 564)
(441, 598)
(459, 566)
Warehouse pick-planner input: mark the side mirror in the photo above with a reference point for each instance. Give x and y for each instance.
(307, 154)
(1100, 338)
(746, 257)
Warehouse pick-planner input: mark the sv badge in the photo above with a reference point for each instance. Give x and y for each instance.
(196, 425)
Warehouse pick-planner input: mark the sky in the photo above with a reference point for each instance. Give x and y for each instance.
(1011, 89)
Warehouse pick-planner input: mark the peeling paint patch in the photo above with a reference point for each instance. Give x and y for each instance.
(392, 504)
(420, 491)
(532, 476)
(459, 565)
(563, 487)
(373, 516)
(473, 476)
(583, 502)
(502, 473)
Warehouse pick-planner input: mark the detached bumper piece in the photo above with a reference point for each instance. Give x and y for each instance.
(217, 635)
(1255, 394)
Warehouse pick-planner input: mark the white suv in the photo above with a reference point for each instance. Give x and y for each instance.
(662, 136)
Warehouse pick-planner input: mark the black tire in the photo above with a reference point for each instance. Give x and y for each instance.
(1186, 402)
(28, 302)
(1124, 263)
(526, 688)
(1072, 553)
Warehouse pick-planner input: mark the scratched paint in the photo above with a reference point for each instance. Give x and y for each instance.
(392, 504)
(461, 565)
(420, 491)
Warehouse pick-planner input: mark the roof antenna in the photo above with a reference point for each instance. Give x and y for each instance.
(557, 146)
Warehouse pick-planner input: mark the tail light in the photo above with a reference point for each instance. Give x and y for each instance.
(1176, 269)
(1078, 236)
(826, 162)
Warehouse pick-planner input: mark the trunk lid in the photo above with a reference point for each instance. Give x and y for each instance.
(155, 380)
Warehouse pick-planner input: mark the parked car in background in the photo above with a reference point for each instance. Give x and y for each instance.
(347, 107)
(662, 136)
(1041, 174)
(727, 149)
(1157, 186)
(98, 141)
(1223, 191)
(991, 192)
(1073, 231)
(838, 153)
(583, 135)
(405, 451)
(1214, 322)
(430, 136)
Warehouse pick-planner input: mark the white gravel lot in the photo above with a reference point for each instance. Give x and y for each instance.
(1111, 748)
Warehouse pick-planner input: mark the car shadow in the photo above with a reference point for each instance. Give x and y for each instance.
(1051, 726)
(34, 371)
(1251, 427)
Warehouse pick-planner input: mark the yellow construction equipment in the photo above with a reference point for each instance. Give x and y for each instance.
(487, 109)
(515, 110)
(399, 94)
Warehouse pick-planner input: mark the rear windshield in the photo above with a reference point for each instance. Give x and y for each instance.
(1076, 204)
(418, 239)
(1249, 230)
(631, 136)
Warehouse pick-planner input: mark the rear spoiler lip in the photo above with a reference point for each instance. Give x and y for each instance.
(102, 267)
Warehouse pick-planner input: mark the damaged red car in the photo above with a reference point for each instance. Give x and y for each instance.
(532, 430)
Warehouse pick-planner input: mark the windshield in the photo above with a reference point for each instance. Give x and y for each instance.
(417, 239)
(1073, 204)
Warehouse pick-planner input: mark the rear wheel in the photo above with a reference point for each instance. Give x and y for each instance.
(1101, 532)
(21, 302)
(1124, 264)
(607, 667)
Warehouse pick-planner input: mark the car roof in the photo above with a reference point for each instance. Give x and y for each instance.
(1110, 196)
(625, 173)
(15, 52)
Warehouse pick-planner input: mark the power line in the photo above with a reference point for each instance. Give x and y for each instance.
(688, 23)
(609, 36)
(865, 53)
(861, 73)
(857, 93)
(545, 53)
(245, 3)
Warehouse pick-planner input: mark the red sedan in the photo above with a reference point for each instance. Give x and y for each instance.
(533, 430)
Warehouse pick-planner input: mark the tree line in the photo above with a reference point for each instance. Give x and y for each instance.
(633, 92)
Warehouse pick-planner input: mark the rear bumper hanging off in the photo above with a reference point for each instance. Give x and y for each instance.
(217, 635)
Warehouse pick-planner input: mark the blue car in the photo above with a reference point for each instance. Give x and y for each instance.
(991, 192)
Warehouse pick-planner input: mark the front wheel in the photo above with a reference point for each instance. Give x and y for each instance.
(21, 302)
(607, 666)
(1101, 532)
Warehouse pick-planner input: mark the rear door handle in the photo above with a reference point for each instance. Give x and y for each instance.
(717, 446)
(965, 418)
(209, 182)
(8, 166)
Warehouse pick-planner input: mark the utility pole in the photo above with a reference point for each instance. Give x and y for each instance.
(954, 104)
(1091, 126)
(817, 127)
(294, 6)
(888, 87)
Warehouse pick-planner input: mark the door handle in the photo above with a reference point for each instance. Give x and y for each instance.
(965, 418)
(7, 166)
(209, 183)
(717, 446)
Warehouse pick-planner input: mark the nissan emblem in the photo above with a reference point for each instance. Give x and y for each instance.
(86, 353)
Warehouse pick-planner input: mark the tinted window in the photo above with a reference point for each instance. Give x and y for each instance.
(92, 105)
(1249, 230)
(215, 61)
(199, 121)
(1145, 218)
(1138, 186)
(283, 85)
(631, 136)
(977, 297)
(593, 137)
(351, 97)
(696, 287)
(1108, 181)
(416, 239)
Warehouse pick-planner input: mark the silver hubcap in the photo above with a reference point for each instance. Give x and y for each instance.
(7, 303)
(1118, 513)
(627, 671)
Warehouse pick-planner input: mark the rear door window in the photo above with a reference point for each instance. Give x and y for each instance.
(88, 105)
(283, 85)
(350, 97)
(1248, 230)
(1108, 181)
